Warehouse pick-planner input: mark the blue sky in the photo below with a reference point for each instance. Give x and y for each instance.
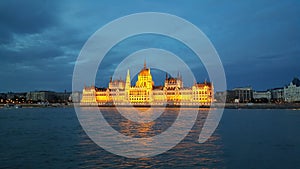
(258, 41)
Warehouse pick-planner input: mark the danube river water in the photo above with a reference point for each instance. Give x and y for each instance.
(53, 138)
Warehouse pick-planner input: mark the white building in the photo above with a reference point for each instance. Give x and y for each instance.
(262, 95)
(76, 97)
(292, 91)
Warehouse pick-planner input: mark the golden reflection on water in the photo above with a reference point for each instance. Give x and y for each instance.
(140, 130)
(189, 151)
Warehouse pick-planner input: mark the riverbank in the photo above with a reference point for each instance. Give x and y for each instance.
(215, 105)
(35, 105)
(261, 106)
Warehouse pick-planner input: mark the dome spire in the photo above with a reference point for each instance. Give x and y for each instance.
(145, 64)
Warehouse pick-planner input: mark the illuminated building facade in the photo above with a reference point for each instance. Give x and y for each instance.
(144, 92)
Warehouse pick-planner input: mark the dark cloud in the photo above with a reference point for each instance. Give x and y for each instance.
(27, 16)
(258, 41)
(36, 47)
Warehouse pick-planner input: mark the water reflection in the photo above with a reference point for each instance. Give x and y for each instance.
(136, 130)
(187, 153)
(53, 138)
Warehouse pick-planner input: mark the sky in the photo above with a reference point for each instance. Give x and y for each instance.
(257, 41)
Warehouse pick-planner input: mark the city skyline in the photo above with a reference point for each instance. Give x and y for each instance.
(257, 41)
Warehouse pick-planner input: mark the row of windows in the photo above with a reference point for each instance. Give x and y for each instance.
(159, 94)
(200, 92)
(139, 93)
(147, 93)
(200, 98)
(139, 98)
(133, 94)
(91, 95)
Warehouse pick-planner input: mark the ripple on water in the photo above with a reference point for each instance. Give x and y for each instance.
(53, 138)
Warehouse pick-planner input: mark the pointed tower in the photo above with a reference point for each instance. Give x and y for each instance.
(179, 80)
(127, 86)
(128, 83)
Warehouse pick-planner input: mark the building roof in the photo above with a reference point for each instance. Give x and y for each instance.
(203, 84)
(296, 82)
(158, 87)
(243, 88)
(172, 79)
(145, 72)
(101, 89)
(117, 81)
(262, 91)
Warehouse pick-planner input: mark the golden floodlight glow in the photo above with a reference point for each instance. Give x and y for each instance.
(144, 92)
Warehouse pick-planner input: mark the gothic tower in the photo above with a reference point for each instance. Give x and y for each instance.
(127, 86)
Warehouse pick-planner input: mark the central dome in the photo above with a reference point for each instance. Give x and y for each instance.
(145, 78)
(145, 72)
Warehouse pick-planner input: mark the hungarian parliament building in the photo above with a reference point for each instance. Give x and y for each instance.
(144, 93)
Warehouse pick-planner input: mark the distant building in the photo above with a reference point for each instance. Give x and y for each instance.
(244, 94)
(292, 91)
(48, 96)
(2, 98)
(41, 96)
(231, 96)
(62, 97)
(3, 95)
(262, 96)
(12, 96)
(277, 94)
(76, 97)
